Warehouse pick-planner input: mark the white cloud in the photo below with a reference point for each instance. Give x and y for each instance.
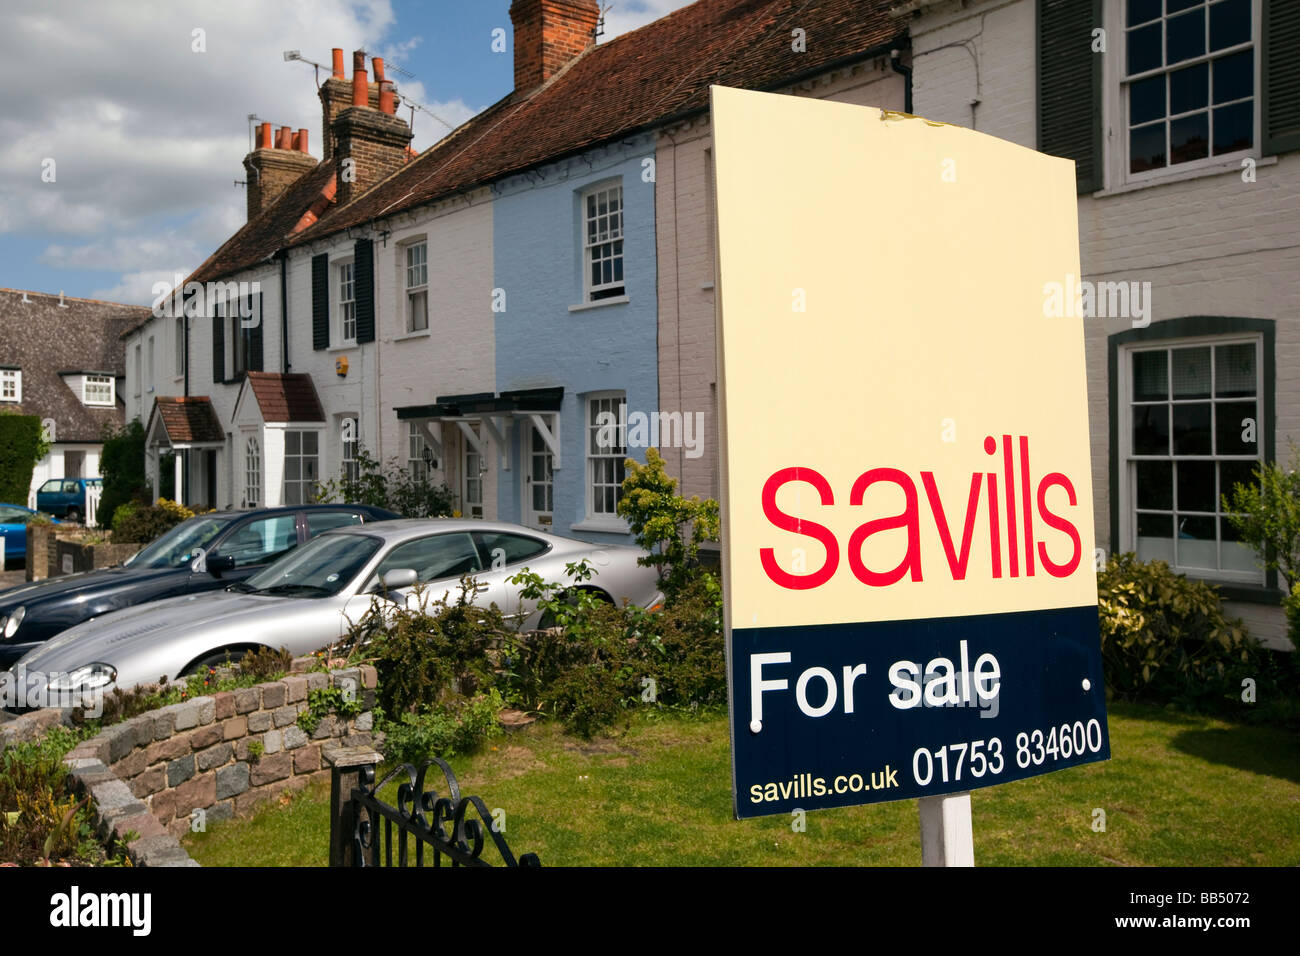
(630, 14)
(136, 288)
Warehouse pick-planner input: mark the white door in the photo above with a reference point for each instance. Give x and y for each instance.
(539, 482)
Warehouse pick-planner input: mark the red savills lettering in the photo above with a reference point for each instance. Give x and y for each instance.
(1019, 518)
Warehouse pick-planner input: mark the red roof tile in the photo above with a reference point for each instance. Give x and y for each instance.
(634, 82)
(286, 397)
(188, 419)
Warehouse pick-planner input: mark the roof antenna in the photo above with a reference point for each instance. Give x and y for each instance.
(291, 55)
(599, 31)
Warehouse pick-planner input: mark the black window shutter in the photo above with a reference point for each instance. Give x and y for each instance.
(364, 273)
(255, 339)
(320, 301)
(1069, 85)
(218, 348)
(1280, 103)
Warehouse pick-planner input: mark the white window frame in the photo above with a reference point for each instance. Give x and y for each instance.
(253, 472)
(594, 404)
(1127, 465)
(1115, 106)
(349, 466)
(607, 233)
(415, 281)
(417, 464)
(11, 385)
(473, 468)
(306, 493)
(149, 379)
(139, 371)
(345, 309)
(92, 390)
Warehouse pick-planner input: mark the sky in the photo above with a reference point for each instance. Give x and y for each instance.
(125, 122)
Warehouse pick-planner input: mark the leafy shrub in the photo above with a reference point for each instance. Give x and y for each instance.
(40, 818)
(22, 445)
(121, 463)
(659, 519)
(143, 524)
(1164, 635)
(426, 654)
(601, 661)
(445, 731)
(391, 487)
(264, 664)
(1266, 514)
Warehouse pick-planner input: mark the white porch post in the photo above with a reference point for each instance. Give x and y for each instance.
(180, 477)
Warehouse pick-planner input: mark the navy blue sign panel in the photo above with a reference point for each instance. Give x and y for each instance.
(842, 714)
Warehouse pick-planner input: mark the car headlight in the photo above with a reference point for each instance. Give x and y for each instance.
(16, 618)
(88, 677)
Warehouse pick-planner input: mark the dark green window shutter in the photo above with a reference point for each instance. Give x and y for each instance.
(255, 339)
(1280, 104)
(1069, 85)
(364, 274)
(218, 348)
(320, 301)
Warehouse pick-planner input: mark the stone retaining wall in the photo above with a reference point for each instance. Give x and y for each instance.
(151, 773)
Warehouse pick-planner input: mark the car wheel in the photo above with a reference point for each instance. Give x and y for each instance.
(548, 619)
(74, 515)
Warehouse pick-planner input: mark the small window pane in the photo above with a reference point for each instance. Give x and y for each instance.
(1196, 486)
(1192, 429)
(309, 443)
(1197, 544)
(1177, 6)
(1191, 373)
(1229, 23)
(1155, 537)
(1155, 481)
(1234, 77)
(1189, 138)
(1140, 11)
(1234, 127)
(293, 443)
(1233, 473)
(1147, 148)
(1150, 376)
(1151, 430)
(1186, 36)
(1234, 370)
(1144, 49)
(1189, 89)
(1236, 427)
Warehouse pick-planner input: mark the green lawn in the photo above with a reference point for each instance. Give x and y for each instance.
(1180, 791)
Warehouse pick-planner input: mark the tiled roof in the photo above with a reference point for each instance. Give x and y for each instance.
(636, 81)
(40, 338)
(188, 419)
(262, 235)
(286, 397)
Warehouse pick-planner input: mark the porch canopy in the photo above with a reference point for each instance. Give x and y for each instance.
(496, 413)
(178, 424)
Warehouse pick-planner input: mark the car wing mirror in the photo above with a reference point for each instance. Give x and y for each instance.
(398, 578)
(215, 564)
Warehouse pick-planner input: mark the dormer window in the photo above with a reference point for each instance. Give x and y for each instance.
(98, 390)
(11, 385)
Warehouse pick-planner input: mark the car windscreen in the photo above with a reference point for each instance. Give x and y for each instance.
(321, 567)
(179, 545)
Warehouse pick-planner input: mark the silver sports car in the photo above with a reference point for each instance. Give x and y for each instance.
(305, 600)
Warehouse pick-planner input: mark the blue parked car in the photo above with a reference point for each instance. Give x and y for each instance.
(65, 497)
(13, 528)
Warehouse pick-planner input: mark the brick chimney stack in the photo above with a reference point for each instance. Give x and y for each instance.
(370, 142)
(274, 165)
(548, 34)
(335, 97)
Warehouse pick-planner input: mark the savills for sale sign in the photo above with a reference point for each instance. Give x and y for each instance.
(907, 500)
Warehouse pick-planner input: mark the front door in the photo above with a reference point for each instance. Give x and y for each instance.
(539, 482)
